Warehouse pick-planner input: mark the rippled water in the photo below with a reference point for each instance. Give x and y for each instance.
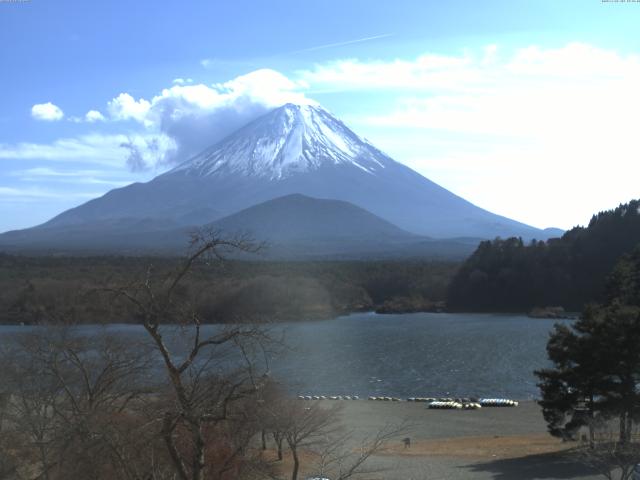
(423, 354)
(420, 354)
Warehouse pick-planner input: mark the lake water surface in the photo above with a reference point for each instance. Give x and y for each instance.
(423, 354)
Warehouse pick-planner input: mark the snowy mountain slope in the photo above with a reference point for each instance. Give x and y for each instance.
(291, 140)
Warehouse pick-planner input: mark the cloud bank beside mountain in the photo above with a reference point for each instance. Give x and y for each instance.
(196, 116)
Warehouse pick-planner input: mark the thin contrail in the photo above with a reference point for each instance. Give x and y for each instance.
(340, 44)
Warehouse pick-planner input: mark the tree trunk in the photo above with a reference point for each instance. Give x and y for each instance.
(591, 420)
(623, 428)
(167, 435)
(198, 454)
(278, 439)
(263, 436)
(296, 464)
(43, 460)
(279, 442)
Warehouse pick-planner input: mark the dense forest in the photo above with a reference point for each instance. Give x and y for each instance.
(39, 290)
(571, 271)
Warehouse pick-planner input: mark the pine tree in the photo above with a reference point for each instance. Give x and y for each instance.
(596, 361)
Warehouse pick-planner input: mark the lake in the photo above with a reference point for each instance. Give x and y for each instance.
(422, 354)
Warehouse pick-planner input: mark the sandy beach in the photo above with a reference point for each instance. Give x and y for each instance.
(490, 443)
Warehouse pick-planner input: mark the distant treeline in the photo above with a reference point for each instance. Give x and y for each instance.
(39, 290)
(571, 271)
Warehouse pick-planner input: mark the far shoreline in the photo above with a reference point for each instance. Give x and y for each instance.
(373, 312)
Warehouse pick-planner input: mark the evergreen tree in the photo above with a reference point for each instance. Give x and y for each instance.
(596, 361)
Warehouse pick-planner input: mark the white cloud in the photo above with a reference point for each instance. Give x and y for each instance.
(125, 107)
(104, 150)
(99, 149)
(47, 111)
(94, 116)
(182, 81)
(34, 194)
(207, 62)
(195, 116)
(178, 122)
(425, 72)
(78, 177)
(533, 92)
(91, 116)
(500, 128)
(264, 86)
(50, 172)
(147, 152)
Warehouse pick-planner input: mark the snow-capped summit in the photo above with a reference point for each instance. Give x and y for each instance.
(288, 140)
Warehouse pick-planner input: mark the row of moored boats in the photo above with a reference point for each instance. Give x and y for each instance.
(432, 402)
(328, 397)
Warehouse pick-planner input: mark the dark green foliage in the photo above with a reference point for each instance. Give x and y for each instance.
(507, 275)
(68, 289)
(623, 285)
(596, 372)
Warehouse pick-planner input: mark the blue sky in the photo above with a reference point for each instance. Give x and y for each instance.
(528, 109)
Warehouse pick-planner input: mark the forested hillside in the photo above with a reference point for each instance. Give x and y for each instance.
(39, 290)
(509, 275)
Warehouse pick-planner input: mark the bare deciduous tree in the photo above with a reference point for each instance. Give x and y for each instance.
(606, 453)
(307, 426)
(343, 458)
(71, 403)
(316, 430)
(211, 373)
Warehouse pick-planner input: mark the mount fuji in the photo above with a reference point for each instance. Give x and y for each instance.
(294, 149)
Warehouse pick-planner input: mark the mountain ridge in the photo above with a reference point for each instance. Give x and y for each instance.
(291, 150)
(288, 218)
(293, 227)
